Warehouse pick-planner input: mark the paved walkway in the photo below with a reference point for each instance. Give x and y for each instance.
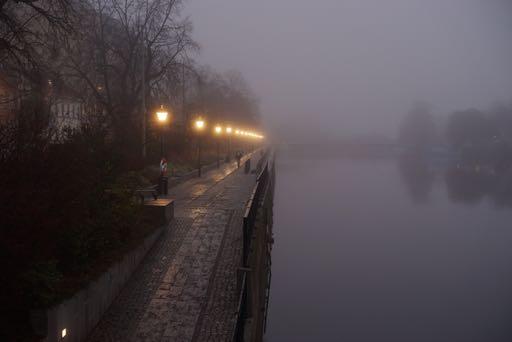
(185, 288)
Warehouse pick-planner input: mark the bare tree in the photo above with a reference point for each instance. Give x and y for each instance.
(226, 97)
(24, 55)
(24, 25)
(122, 53)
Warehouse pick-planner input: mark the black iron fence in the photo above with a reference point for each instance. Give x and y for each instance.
(254, 280)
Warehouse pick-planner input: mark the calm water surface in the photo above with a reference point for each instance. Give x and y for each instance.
(376, 250)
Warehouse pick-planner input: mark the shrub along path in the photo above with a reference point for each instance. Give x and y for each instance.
(185, 289)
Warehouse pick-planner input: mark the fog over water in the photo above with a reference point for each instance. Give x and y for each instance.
(378, 250)
(380, 242)
(351, 67)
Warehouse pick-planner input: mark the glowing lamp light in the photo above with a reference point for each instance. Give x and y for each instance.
(162, 114)
(229, 130)
(237, 131)
(63, 333)
(218, 130)
(199, 124)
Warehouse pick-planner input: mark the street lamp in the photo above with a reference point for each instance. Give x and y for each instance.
(162, 114)
(229, 131)
(162, 117)
(218, 132)
(199, 125)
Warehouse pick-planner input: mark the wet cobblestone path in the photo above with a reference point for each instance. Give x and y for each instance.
(185, 288)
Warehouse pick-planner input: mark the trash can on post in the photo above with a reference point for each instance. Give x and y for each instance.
(163, 185)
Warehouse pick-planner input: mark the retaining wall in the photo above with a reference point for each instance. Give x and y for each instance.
(80, 314)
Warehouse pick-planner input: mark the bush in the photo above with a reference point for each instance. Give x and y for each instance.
(68, 210)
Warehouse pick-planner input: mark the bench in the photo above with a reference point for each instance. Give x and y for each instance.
(159, 211)
(151, 191)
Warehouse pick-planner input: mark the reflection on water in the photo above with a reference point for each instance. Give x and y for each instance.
(474, 184)
(417, 176)
(390, 250)
(468, 184)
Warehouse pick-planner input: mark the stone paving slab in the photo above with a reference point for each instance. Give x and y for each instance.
(217, 319)
(185, 288)
(177, 303)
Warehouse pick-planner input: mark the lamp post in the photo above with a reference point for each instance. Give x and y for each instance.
(162, 116)
(237, 142)
(229, 131)
(218, 132)
(199, 125)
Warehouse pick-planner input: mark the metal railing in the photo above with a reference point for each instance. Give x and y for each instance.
(251, 211)
(261, 191)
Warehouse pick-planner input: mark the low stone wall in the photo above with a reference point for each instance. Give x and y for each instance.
(80, 314)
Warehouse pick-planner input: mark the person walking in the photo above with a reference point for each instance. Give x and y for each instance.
(238, 157)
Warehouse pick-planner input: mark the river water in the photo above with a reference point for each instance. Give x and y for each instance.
(382, 250)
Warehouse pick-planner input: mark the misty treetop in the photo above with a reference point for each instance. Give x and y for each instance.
(418, 129)
(226, 97)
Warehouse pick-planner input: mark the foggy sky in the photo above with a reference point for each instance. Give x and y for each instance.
(335, 68)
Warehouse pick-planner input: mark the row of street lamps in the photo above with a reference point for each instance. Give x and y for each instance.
(200, 125)
(163, 115)
(218, 131)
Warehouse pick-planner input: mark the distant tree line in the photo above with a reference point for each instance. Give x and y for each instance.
(477, 136)
(478, 145)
